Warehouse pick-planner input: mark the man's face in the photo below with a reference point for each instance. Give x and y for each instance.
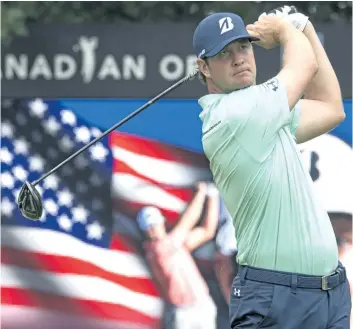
(231, 69)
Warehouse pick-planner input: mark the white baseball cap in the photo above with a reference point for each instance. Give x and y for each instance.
(149, 217)
(332, 167)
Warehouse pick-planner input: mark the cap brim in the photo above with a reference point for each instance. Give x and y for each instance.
(146, 223)
(215, 50)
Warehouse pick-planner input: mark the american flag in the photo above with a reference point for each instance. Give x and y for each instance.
(81, 265)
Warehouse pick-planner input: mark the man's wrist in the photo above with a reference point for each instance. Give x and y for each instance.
(309, 29)
(285, 32)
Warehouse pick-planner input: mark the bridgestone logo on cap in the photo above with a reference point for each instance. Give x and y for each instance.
(226, 24)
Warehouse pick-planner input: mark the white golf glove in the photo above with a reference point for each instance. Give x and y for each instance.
(291, 15)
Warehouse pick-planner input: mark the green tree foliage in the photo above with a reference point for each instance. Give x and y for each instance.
(17, 15)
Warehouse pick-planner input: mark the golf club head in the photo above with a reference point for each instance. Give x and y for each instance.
(29, 202)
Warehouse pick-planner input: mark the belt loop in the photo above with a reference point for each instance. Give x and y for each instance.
(343, 275)
(294, 283)
(243, 275)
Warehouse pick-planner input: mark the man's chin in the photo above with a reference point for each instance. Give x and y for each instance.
(245, 82)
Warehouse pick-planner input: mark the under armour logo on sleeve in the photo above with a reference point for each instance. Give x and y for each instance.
(273, 84)
(236, 292)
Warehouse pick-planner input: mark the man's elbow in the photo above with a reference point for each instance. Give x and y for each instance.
(209, 232)
(339, 114)
(312, 67)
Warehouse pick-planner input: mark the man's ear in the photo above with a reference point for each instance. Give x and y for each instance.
(203, 67)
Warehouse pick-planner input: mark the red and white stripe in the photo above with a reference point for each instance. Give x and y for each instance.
(57, 281)
(147, 172)
(55, 272)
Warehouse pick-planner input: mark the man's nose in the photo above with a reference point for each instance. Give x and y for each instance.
(237, 60)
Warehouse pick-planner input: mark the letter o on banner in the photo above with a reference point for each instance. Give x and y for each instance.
(171, 67)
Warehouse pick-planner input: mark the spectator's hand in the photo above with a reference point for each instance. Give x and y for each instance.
(290, 15)
(202, 187)
(212, 190)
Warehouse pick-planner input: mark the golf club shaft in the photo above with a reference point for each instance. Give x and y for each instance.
(143, 107)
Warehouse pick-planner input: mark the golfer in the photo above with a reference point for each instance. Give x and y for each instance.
(289, 275)
(188, 302)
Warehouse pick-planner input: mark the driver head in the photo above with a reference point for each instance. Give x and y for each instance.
(30, 202)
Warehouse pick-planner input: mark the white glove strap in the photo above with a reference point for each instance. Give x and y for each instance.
(298, 20)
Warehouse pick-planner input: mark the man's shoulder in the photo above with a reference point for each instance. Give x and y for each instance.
(241, 96)
(244, 100)
(209, 100)
(237, 106)
(240, 103)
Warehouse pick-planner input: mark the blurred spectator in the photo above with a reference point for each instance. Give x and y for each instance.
(226, 248)
(342, 226)
(188, 302)
(330, 163)
(346, 256)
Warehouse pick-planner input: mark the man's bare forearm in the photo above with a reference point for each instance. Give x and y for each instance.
(193, 211)
(211, 220)
(324, 86)
(299, 63)
(207, 230)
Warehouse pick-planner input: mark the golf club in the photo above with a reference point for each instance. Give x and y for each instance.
(29, 200)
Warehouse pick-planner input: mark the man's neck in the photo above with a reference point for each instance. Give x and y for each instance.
(212, 88)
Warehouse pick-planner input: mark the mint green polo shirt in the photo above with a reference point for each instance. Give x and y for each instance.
(249, 139)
